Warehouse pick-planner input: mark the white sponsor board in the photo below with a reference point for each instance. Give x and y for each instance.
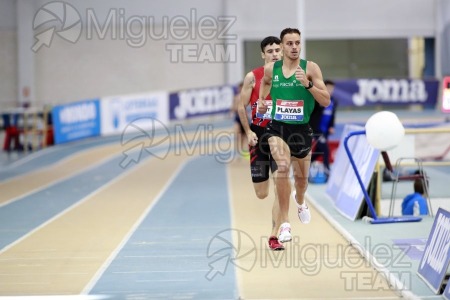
(117, 112)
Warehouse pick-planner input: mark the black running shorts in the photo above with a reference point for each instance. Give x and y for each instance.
(297, 136)
(260, 158)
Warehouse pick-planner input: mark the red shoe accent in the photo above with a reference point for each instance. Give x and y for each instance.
(274, 244)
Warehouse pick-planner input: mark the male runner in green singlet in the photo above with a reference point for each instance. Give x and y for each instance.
(294, 84)
(260, 160)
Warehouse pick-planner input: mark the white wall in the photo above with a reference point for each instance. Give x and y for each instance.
(7, 14)
(254, 21)
(8, 53)
(443, 38)
(8, 68)
(117, 63)
(97, 67)
(94, 68)
(328, 19)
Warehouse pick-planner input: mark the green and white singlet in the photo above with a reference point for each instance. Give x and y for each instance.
(291, 102)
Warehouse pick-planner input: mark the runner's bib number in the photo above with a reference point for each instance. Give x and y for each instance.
(287, 110)
(268, 114)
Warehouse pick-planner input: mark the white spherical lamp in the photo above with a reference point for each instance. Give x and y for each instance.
(384, 131)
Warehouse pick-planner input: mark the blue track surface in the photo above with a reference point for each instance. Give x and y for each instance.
(165, 257)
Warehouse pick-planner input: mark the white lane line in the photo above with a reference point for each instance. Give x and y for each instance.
(237, 276)
(162, 271)
(59, 297)
(393, 281)
(73, 206)
(59, 180)
(119, 247)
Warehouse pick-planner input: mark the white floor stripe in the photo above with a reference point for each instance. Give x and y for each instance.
(61, 179)
(397, 285)
(237, 278)
(68, 209)
(59, 297)
(163, 271)
(119, 247)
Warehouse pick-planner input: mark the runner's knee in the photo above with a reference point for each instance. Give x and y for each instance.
(283, 167)
(301, 185)
(261, 194)
(261, 189)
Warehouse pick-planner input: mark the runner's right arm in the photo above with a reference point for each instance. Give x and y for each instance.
(247, 87)
(264, 90)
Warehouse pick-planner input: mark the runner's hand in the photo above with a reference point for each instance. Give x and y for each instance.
(262, 107)
(252, 138)
(301, 76)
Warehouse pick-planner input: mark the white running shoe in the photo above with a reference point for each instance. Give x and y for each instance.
(303, 213)
(303, 210)
(285, 233)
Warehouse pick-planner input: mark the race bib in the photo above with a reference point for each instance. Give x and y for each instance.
(268, 114)
(288, 110)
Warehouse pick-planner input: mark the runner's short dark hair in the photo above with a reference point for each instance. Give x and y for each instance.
(270, 40)
(287, 31)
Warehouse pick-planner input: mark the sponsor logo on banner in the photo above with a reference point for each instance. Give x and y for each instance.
(120, 111)
(390, 90)
(364, 92)
(200, 102)
(436, 258)
(76, 120)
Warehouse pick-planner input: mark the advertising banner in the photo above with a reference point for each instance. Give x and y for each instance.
(343, 187)
(200, 102)
(436, 256)
(370, 92)
(141, 110)
(76, 121)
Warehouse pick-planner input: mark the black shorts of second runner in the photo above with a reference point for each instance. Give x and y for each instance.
(260, 159)
(297, 136)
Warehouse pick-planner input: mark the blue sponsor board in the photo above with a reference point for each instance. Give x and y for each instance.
(76, 120)
(369, 92)
(200, 102)
(435, 260)
(343, 187)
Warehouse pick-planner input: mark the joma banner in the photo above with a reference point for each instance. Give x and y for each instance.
(369, 92)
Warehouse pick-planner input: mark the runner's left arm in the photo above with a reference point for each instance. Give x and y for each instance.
(319, 89)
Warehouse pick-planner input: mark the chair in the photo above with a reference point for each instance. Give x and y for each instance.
(396, 178)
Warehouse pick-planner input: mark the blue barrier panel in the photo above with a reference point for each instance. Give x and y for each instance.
(76, 120)
(200, 102)
(435, 260)
(343, 187)
(370, 92)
